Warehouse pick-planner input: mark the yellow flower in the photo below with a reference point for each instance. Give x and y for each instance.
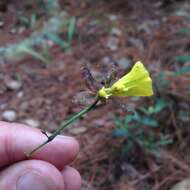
(136, 83)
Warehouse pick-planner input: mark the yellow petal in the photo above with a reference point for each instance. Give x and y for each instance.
(136, 83)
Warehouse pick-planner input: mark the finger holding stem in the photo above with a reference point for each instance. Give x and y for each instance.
(64, 125)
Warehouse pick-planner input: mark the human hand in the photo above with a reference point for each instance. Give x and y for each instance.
(46, 170)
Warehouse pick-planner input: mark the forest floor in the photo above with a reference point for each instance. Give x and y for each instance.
(108, 34)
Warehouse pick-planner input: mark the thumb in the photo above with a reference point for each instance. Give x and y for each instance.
(30, 175)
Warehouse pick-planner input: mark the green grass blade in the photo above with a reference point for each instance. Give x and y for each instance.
(71, 29)
(34, 54)
(182, 71)
(182, 58)
(57, 40)
(185, 31)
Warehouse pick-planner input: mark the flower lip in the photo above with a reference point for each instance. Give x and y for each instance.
(136, 83)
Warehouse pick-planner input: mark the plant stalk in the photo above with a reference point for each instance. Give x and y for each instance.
(64, 125)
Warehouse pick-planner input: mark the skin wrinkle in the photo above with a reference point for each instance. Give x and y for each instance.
(29, 170)
(7, 148)
(26, 171)
(47, 172)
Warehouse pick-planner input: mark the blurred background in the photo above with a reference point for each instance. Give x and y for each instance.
(128, 144)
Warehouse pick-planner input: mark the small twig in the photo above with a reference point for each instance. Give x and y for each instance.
(178, 132)
(182, 165)
(64, 125)
(145, 176)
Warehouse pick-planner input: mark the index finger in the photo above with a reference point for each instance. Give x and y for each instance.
(17, 139)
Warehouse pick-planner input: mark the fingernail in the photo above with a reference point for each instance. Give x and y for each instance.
(33, 180)
(65, 138)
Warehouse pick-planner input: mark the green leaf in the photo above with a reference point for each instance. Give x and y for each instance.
(161, 80)
(182, 58)
(24, 21)
(160, 105)
(148, 121)
(128, 119)
(184, 115)
(128, 146)
(57, 40)
(183, 70)
(33, 53)
(144, 110)
(165, 140)
(121, 132)
(33, 19)
(185, 30)
(118, 122)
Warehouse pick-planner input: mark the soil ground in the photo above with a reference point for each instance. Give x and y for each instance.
(123, 31)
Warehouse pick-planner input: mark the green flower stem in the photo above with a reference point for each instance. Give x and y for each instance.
(65, 124)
